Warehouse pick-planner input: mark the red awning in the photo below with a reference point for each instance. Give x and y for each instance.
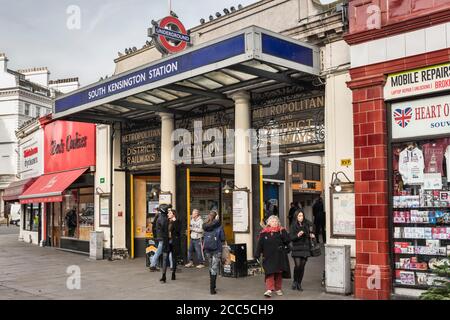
(17, 188)
(50, 187)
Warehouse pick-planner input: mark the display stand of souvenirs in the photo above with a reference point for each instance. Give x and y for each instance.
(421, 211)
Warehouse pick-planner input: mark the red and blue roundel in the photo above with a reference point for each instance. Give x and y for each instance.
(403, 117)
(171, 36)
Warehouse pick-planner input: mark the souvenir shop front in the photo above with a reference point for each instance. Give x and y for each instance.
(419, 153)
(65, 192)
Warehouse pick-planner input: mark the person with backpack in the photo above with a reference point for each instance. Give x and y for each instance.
(214, 236)
(273, 245)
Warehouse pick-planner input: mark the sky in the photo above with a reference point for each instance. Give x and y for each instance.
(48, 33)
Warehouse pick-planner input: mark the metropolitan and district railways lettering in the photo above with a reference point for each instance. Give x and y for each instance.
(141, 148)
(295, 122)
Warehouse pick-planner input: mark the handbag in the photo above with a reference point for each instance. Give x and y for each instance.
(316, 251)
(226, 258)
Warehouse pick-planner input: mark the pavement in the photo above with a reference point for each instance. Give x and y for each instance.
(29, 272)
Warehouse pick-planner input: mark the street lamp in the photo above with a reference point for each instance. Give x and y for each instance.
(227, 189)
(336, 183)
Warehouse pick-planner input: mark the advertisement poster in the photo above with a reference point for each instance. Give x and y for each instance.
(240, 211)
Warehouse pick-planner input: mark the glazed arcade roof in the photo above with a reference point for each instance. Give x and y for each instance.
(252, 59)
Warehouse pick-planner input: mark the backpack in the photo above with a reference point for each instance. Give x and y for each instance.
(212, 239)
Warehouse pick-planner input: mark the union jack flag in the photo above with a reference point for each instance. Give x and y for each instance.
(403, 117)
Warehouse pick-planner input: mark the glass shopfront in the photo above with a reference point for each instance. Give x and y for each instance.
(77, 219)
(420, 189)
(32, 217)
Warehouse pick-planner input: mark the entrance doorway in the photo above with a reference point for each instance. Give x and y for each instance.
(206, 195)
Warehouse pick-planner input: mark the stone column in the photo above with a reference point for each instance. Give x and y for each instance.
(242, 160)
(168, 169)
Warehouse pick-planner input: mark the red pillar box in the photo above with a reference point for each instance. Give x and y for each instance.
(373, 271)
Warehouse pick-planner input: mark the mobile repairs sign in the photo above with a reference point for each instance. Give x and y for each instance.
(424, 117)
(416, 82)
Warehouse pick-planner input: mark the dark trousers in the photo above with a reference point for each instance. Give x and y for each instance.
(320, 229)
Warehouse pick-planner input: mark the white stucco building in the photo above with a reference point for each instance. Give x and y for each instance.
(24, 95)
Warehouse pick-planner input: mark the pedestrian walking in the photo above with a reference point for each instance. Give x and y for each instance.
(154, 259)
(273, 244)
(174, 240)
(196, 237)
(214, 239)
(292, 211)
(162, 229)
(301, 233)
(6, 216)
(319, 219)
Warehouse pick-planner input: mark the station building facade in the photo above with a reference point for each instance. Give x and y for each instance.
(272, 65)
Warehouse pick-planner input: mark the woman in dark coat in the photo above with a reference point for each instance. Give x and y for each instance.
(168, 230)
(174, 240)
(301, 233)
(272, 244)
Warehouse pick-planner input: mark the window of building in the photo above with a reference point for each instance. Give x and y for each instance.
(38, 111)
(32, 217)
(78, 213)
(27, 109)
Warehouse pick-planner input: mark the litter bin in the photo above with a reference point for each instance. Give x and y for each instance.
(96, 245)
(238, 265)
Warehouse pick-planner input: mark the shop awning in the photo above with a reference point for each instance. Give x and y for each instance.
(17, 188)
(253, 59)
(50, 187)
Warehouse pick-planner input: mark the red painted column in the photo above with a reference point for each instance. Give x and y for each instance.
(373, 271)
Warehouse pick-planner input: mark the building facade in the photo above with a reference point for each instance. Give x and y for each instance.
(399, 80)
(24, 95)
(311, 107)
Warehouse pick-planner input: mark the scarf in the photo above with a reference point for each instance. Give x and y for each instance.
(272, 229)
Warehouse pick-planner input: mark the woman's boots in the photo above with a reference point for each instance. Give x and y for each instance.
(173, 275)
(212, 283)
(163, 278)
(294, 285)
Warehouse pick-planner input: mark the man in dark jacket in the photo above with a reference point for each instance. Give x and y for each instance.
(162, 235)
(319, 219)
(292, 210)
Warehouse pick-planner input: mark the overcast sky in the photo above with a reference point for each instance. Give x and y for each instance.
(35, 33)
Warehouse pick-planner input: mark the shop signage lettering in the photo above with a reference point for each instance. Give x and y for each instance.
(416, 82)
(141, 147)
(169, 35)
(70, 144)
(31, 164)
(296, 118)
(133, 81)
(423, 117)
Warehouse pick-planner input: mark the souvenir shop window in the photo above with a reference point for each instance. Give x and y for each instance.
(421, 208)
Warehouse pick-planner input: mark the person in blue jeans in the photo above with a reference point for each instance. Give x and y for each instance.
(155, 257)
(195, 246)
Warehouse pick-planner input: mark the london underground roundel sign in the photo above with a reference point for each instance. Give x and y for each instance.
(170, 35)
